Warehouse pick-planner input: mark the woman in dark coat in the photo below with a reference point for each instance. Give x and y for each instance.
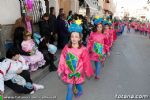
(63, 31)
(45, 28)
(53, 23)
(18, 38)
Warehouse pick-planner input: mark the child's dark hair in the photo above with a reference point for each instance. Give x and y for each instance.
(94, 29)
(51, 10)
(70, 12)
(75, 16)
(62, 16)
(80, 17)
(80, 42)
(61, 10)
(11, 53)
(45, 15)
(18, 34)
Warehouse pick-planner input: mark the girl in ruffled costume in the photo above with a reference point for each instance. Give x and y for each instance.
(74, 62)
(36, 59)
(96, 45)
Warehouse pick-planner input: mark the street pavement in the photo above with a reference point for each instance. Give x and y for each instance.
(126, 72)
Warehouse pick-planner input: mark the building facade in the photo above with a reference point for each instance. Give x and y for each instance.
(109, 7)
(9, 11)
(68, 5)
(90, 7)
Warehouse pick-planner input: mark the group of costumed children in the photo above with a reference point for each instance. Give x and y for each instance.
(75, 59)
(143, 28)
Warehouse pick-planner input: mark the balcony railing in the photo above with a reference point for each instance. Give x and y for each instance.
(37, 11)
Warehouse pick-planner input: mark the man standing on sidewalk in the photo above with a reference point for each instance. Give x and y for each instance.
(53, 23)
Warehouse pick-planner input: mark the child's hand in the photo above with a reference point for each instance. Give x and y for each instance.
(90, 52)
(59, 74)
(19, 71)
(108, 54)
(31, 53)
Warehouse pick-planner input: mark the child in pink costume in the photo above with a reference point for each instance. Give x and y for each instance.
(74, 62)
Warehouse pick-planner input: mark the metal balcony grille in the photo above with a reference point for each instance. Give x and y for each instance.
(37, 11)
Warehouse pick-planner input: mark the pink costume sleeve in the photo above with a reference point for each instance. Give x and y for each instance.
(87, 64)
(106, 44)
(111, 37)
(145, 28)
(90, 42)
(107, 40)
(61, 65)
(114, 35)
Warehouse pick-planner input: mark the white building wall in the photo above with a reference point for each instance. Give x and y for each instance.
(100, 12)
(75, 6)
(43, 6)
(9, 11)
(54, 3)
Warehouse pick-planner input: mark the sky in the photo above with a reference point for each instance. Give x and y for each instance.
(130, 5)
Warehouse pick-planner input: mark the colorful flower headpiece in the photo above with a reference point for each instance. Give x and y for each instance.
(97, 20)
(76, 26)
(105, 22)
(110, 23)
